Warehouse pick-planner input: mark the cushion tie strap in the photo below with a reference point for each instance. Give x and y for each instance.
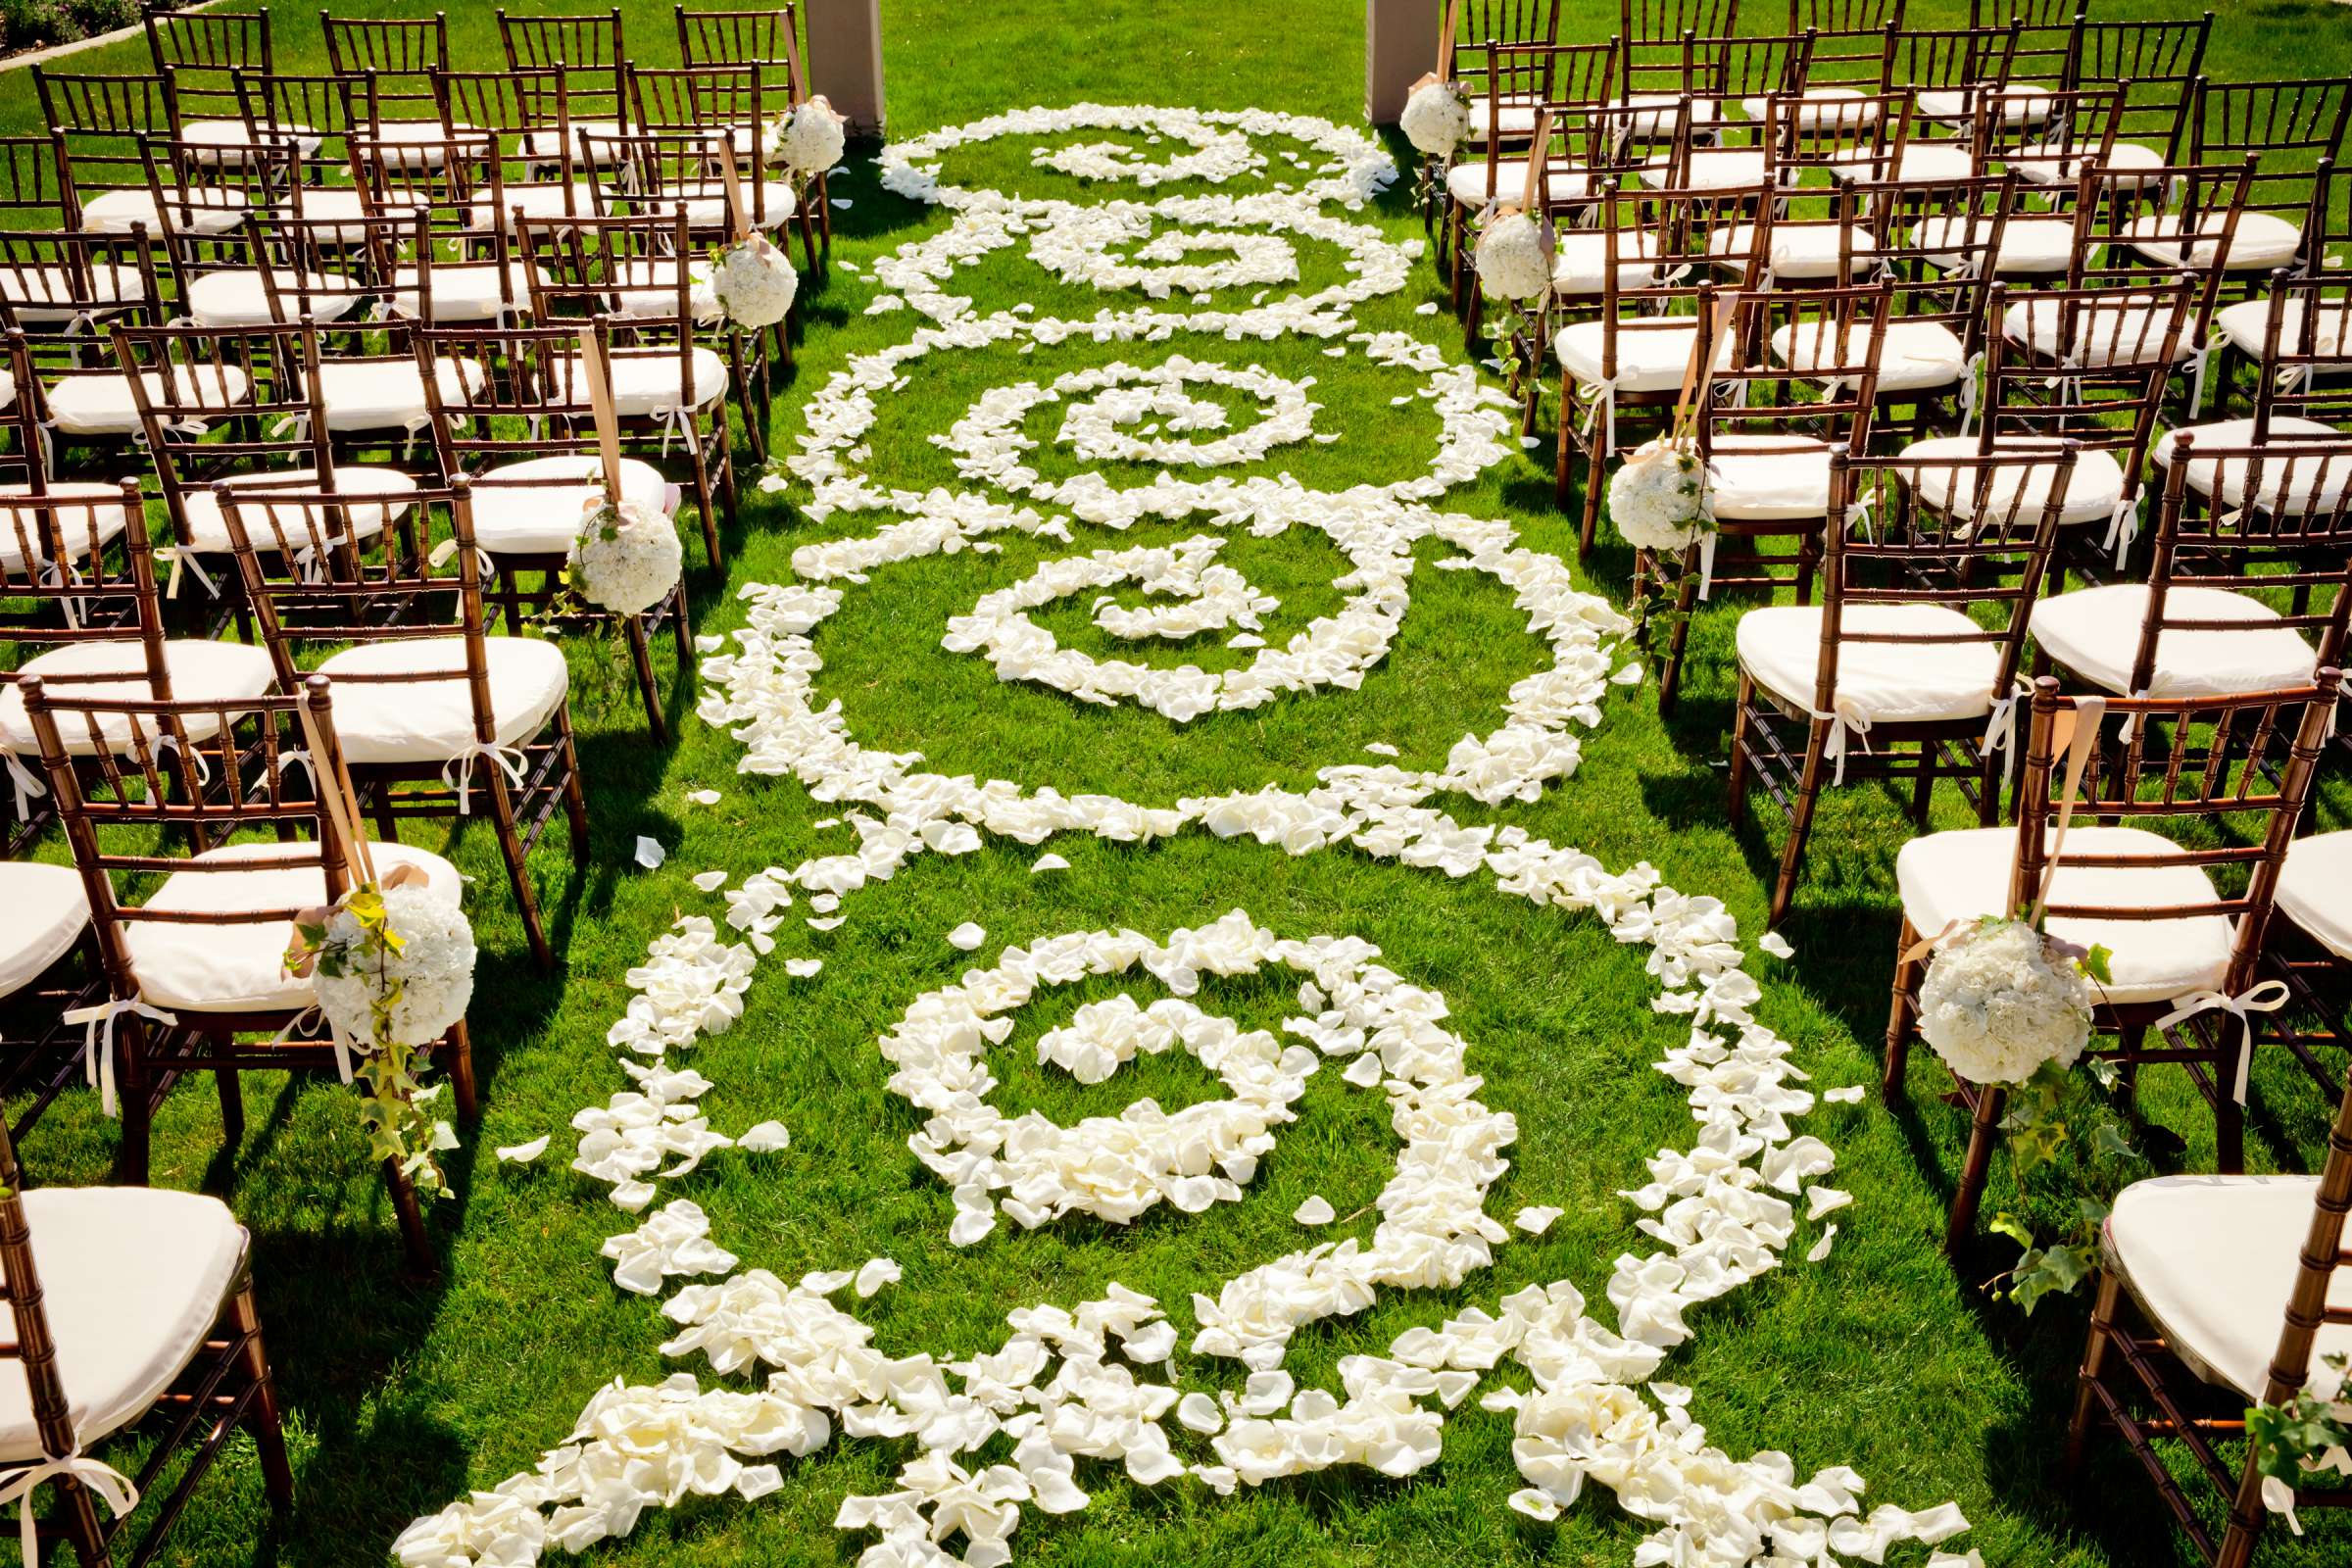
(2123, 526)
(299, 1027)
(2267, 996)
(98, 1048)
(1844, 718)
(110, 1484)
(28, 785)
(458, 771)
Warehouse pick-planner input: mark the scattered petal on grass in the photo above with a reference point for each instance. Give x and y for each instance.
(877, 1273)
(704, 797)
(1426, 308)
(1777, 945)
(802, 968)
(710, 881)
(1381, 748)
(1821, 1248)
(708, 643)
(1846, 1095)
(968, 936)
(1316, 1211)
(830, 923)
(825, 822)
(1199, 1413)
(1364, 1071)
(764, 1138)
(1824, 1199)
(1536, 1504)
(825, 903)
(1047, 862)
(1537, 1218)
(523, 1154)
(841, 204)
(650, 853)
(1628, 674)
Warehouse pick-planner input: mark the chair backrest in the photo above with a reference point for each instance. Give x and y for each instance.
(59, 285)
(194, 192)
(1969, 61)
(711, 98)
(2202, 762)
(2311, 1299)
(2031, 13)
(2156, 63)
(590, 51)
(743, 37)
(1860, 58)
(2046, 40)
(662, 173)
(76, 568)
(1852, 18)
(1935, 241)
(99, 123)
(634, 265)
(395, 56)
(2106, 403)
(325, 108)
(1667, 21)
(1799, 361)
(32, 180)
(2060, 133)
(2285, 129)
(2305, 367)
(202, 51)
(33, 1344)
(542, 407)
(1663, 251)
(1482, 26)
(1864, 134)
(2116, 207)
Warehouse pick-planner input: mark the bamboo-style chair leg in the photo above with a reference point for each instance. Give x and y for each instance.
(131, 1159)
(459, 1047)
(387, 824)
(409, 1214)
(262, 1417)
(641, 656)
(1901, 1015)
(1801, 825)
(1735, 802)
(518, 871)
(1975, 1167)
(2094, 1364)
(575, 797)
(1923, 787)
(1685, 595)
(1562, 433)
(681, 628)
(2228, 1119)
(83, 1528)
(232, 1106)
(1991, 776)
(2246, 1518)
(1474, 317)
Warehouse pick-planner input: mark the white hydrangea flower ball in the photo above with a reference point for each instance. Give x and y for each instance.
(1658, 497)
(1435, 119)
(810, 138)
(1997, 1004)
(433, 969)
(756, 284)
(1512, 262)
(627, 559)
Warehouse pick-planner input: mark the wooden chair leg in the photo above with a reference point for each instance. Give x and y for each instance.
(519, 872)
(262, 1418)
(1685, 595)
(1901, 1013)
(232, 1106)
(1589, 532)
(1735, 803)
(82, 1529)
(2246, 1518)
(575, 797)
(1975, 1167)
(1800, 824)
(417, 1249)
(131, 1159)
(459, 1048)
(1562, 432)
(2094, 1363)
(641, 656)
(2228, 1119)
(1923, 787)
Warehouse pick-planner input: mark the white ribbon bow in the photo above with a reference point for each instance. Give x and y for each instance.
(110, 1484)
(2123, 526)
(2000, 725)
(310, 1017)
(2267, 996)
(98, 1040)
(458, 771)
(1844, 718)
(28, 785)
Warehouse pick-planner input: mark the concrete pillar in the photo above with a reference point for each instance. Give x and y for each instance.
(845, 59)
(1400, 46)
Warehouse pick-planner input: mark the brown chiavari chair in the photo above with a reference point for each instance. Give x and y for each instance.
(2035, 132)
(65, 286)
(1766, 431)
(767, 38)
(33, 188)
(312, 115)
(99, 124)
(519, 138)
(1733, 76)
(48, 967)
(2106, 404)
(452, 258)
(1626, 368)
(2244, 327)
(2285, 129)
(202, 52)
(529, 449)
(2239, 1292)
(1948, 69)
(392, 63)
(588, 52)
(2156, 66)
(129, 1309)
(1667, 21)
(2030, 13)
(1503, 94)
(740, 102)
(196, 963)
(437, 720)
(1570, 82)
(2177, 934)
(1850, 18)
(274, 260)
(1891, 660)
(675, 172)
(2301, 390)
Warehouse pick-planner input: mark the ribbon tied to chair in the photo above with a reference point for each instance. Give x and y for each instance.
(28, 785)
(108, 1484)
(299, 1029)
(2123, 526)
(458, 771)
(2267, 996)
(98, 1040)
(1843, 719)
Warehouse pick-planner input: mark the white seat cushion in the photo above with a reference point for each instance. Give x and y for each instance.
(201, 671)
(1922, 162)
(1915, 357)
(102, 405)
(242, 299)
(649, 286)
(645, 382)
(324, 204)
(1704, 113)
(1963, 875)
(1653, 352)
(548, 143)
(2259, 240)
(134, 1279)
(430, 719)
(390, 394)
(2306, 485)
(2246, 324)
(2030, 247)
(1515, 117)
(1805, 251)
(2091, 492)
(2314, 889)
(2118, 334)
(1820, 109)
(2095, 633)
(2049, 163)
(1467, 182)
(576, 200)
(294, 527)
(43, 912)
(86, 531)
(229, 141)
(45, 296)
(241, 967)
(518, 518)
(2214, 1258)
(1582, 256)
(1780, 645)
(1711, 168)
(1764, 478)
(1959, 103)
(203, 210)
(466, 292)
(706, 203)
(410, 143)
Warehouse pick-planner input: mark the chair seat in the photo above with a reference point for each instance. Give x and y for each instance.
(1780, 645)
(706, 203)
(231, 141)
(102, 405)
(2314, 889)
(1963, 875)
(2306, 485)
(2246, 324)
(2051, 162)
(46, 914)
(1769, 478)
(2030, 247)
(390, 394)
(645, 382)
(322, 205)
(1652, 353)
(46, 296)
(2095, 633)
(2122, 334)
(242, 298)
(649, 286)
(1711, 168)
(575, 200)
(466, 292)
(201, 209)
(1805, 252)
(294, 527)
(1467, 182)
(86, 531)
(1922, 162)
(431, 720)
(199, 670)
(548, 143)
(1580, 260)
(1959, 103)
(1516, 115)
(2212, 1259)
(2091, 492)
(537, 520)
(1915, 357)
(1704, 113)
(134, 1279)
(2259, 240)
(410, 143)
(1817, 107)
(239, 966)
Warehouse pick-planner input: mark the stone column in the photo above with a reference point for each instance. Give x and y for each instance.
(1400, 45)
(845, 59)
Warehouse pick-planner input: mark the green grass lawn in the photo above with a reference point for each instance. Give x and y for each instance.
(1885, 1356)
